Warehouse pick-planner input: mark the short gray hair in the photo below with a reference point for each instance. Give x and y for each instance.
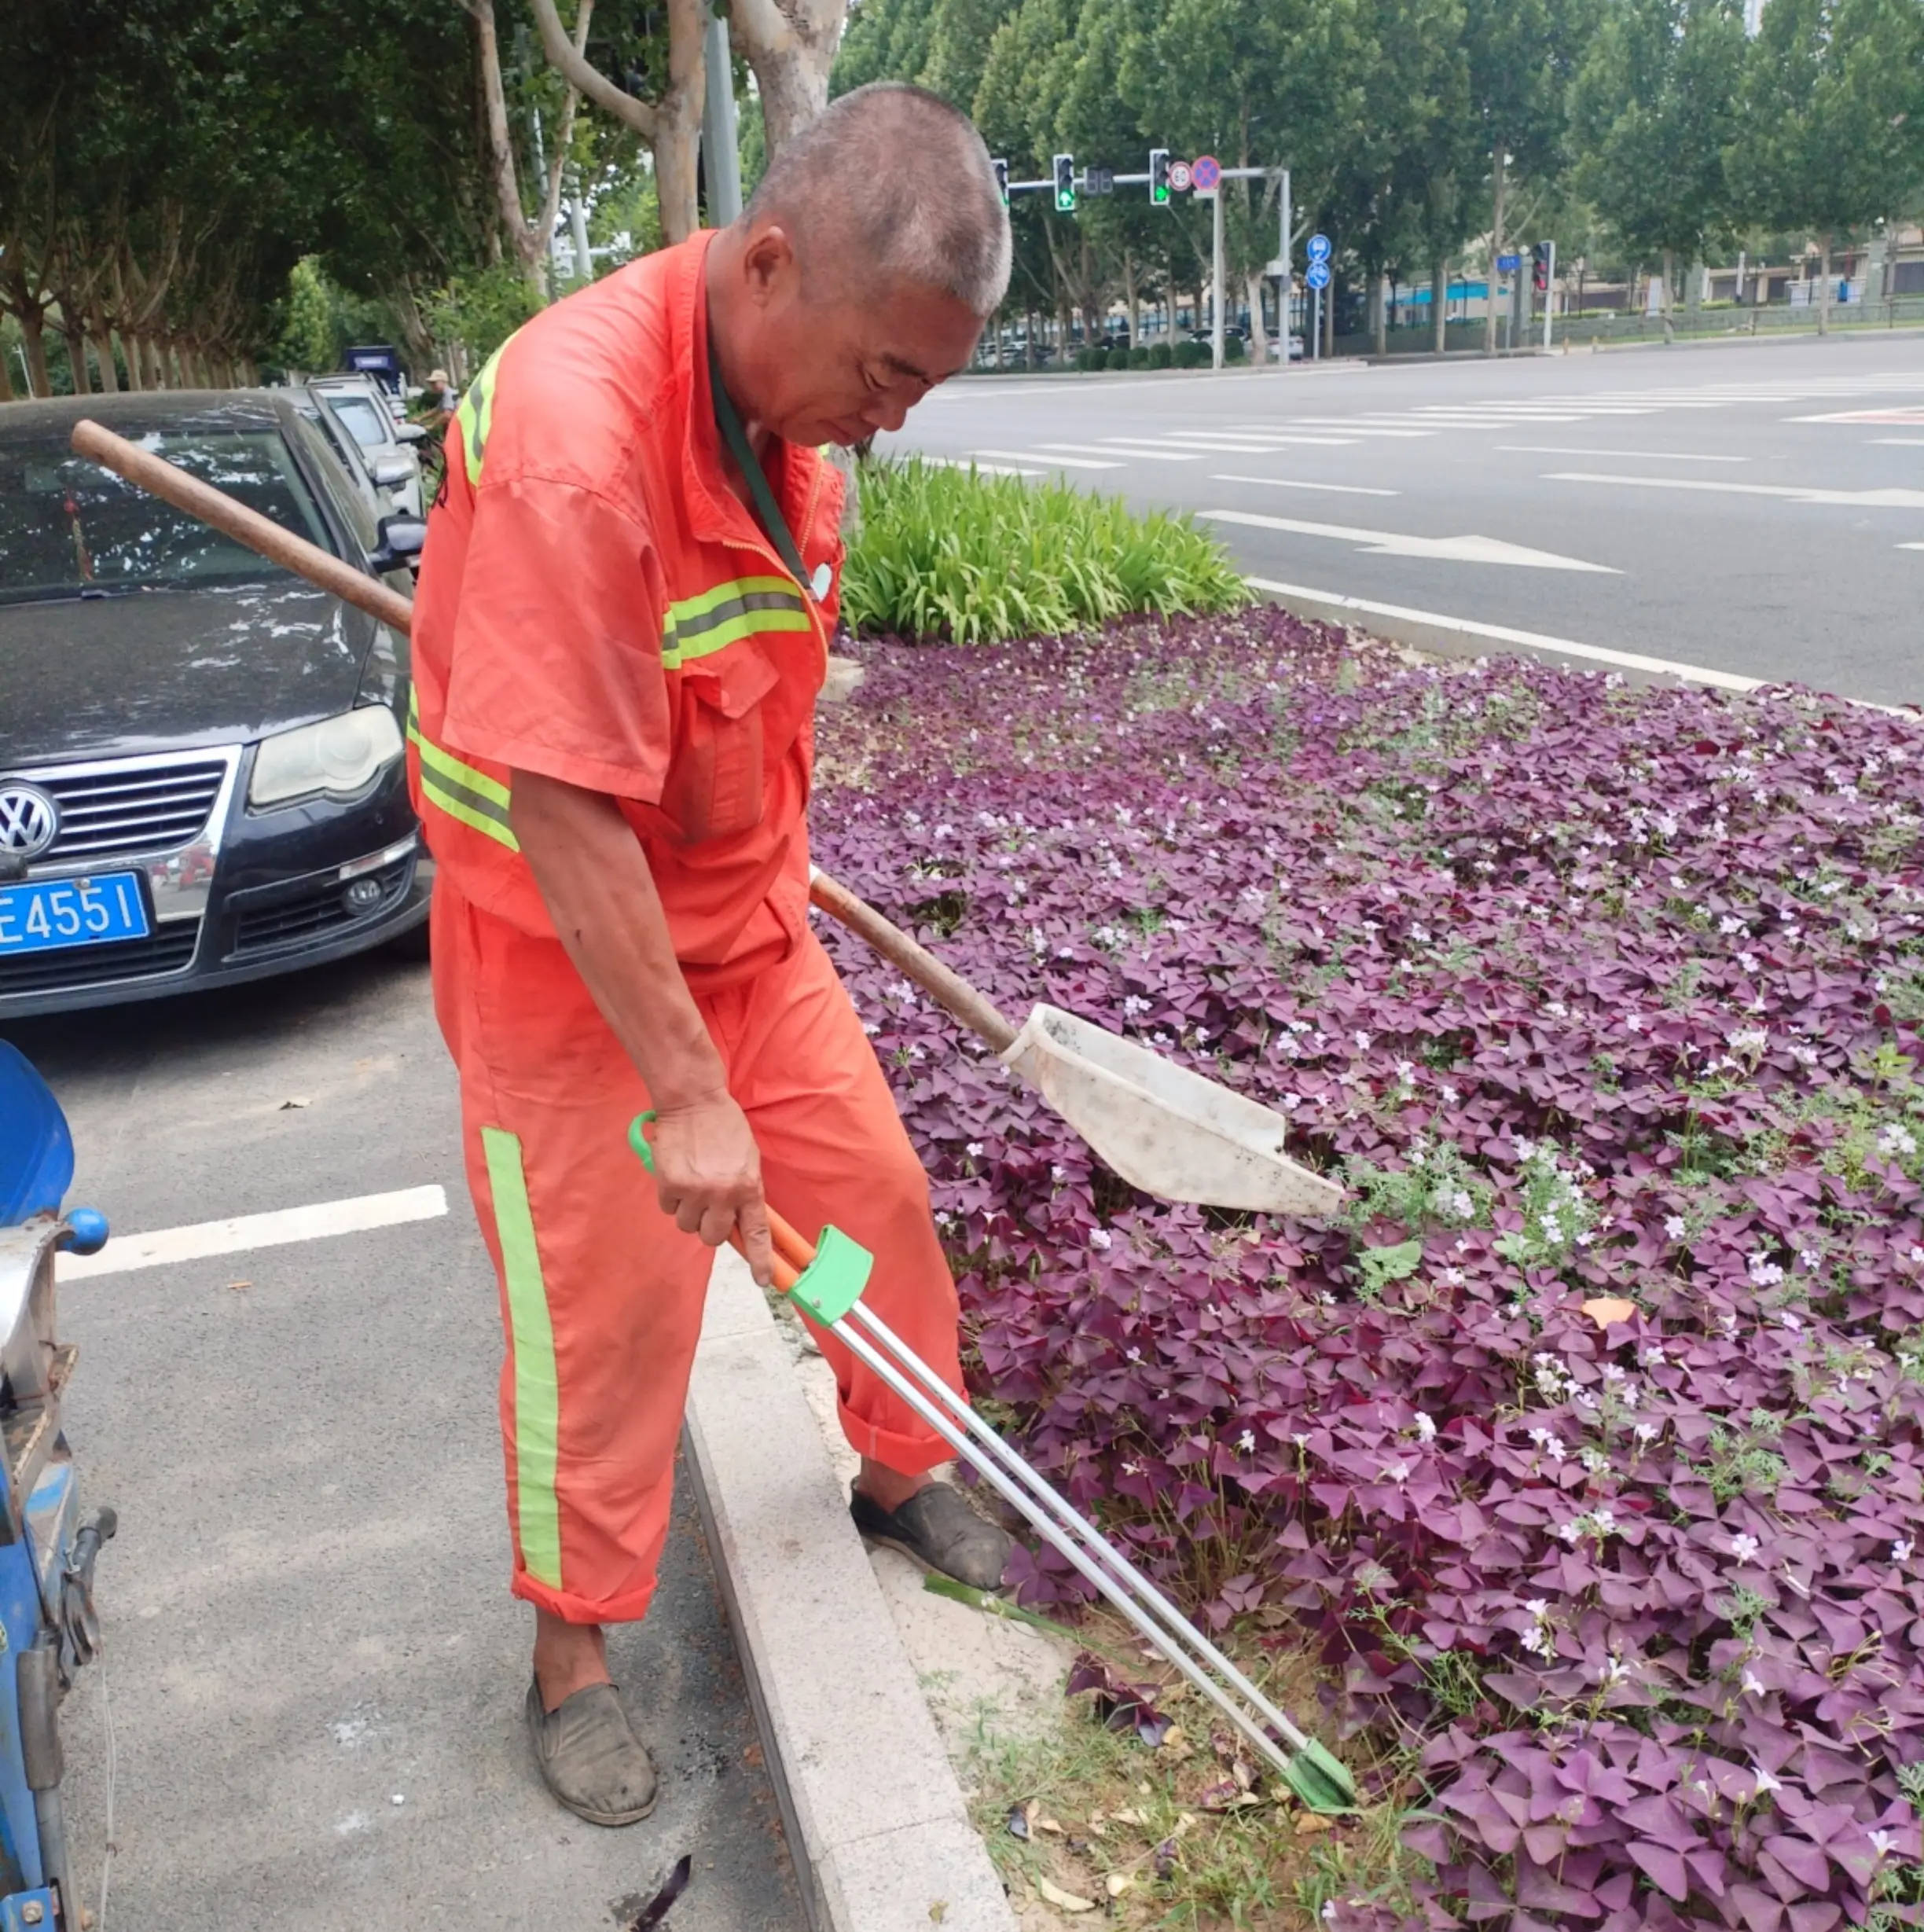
(896, 178)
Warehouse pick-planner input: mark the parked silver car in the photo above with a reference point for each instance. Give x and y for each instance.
(360, 405)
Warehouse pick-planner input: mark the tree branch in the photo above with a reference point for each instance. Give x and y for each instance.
(575, 69)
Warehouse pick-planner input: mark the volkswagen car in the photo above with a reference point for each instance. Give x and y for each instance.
(201, 772)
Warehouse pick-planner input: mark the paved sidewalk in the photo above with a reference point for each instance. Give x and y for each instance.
(306, 1609)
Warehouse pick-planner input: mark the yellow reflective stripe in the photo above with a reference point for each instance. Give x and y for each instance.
(536, 1385)
(697, 627)
(475, 412)
(470, 797)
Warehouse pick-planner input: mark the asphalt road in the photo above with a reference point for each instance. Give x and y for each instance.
(313, 1668)
(1757, 508)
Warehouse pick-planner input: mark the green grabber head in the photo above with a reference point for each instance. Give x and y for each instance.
(830, 1284)
(1321, 1780)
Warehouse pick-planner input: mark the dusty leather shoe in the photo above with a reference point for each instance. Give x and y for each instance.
(589, 1756)
(937, 1528)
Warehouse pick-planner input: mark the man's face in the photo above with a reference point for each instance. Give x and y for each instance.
(828, 361)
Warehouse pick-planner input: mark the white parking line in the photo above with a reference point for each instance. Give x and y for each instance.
(1653, 456)
(285, 1225)
(1053, 462)
(1297, 482)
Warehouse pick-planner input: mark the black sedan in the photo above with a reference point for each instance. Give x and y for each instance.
(201, 772)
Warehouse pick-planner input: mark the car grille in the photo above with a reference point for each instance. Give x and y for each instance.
(131, 808)
(167, 951)
(317, 910)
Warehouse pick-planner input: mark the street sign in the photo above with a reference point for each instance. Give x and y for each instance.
(1508, 264)
(1319, 249)
(1317, 274)
(1205, 173)
(1179, 178)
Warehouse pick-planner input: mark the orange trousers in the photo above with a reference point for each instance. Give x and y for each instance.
(601, 1293)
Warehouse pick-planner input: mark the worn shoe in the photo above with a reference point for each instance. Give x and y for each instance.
(590, 1757)
(937, 1529)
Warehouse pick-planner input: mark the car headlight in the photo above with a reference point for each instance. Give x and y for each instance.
(339, 756)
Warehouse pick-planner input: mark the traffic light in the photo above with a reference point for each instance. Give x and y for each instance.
(1065, 184)
(1159, 176)
(1001, 174)
(1542, 256)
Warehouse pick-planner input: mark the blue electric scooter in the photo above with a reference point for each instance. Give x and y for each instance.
(48, 1627)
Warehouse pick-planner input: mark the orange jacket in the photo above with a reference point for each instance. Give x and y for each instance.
(596, 605)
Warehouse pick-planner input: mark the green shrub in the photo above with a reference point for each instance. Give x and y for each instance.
(1159, 355)
(1233, 351)
(1193, 354)
(952, 553)
(1119, 358)
(1139, 357)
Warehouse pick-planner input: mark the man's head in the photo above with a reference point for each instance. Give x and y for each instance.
(860, 274)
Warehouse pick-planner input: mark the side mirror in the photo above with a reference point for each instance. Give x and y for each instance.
(411, 433)
(395, 467)
(400, 540)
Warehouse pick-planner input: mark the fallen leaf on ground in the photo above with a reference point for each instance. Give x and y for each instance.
(300, 1100)
(1312, 1822)
(1062, 1901)
(1604, 1309)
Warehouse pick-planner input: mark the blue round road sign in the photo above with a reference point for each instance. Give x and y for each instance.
(1319, 248)
(1317, 275)
(1206, 172)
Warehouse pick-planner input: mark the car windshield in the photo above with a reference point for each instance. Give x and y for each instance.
(68, 528)
(363, 420)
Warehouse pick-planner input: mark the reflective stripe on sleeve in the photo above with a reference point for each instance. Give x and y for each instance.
(475, 413)
(469, 797)
(697, 627)
(537, 1386)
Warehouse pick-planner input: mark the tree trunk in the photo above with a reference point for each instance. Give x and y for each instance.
(1134, 300)
(76, 357)
(1439, 304)
(130, 354)
(530, 248)
(1670, 320)
(1496, 243)
(1380, 319)
(1824, 284)
(6, 374)
(104, 355)
(1259, 332)
(791, 47)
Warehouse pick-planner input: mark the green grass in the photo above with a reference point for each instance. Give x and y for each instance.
(952, 553)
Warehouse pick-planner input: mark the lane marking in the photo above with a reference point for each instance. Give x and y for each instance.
(1911, 413)
(1791, 493)
(1655, 456)
(985, 469)
(1294, 483)
(237, 1236)
(1054, 462)
(1244, 445)
(1148, 456)
(1911, 546)
(1464, 549)
(1900, 442)
(1354, 428)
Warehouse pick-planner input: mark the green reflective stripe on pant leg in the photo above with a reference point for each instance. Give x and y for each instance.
(537, 1390)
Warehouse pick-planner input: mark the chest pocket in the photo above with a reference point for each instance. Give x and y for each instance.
(716, 781)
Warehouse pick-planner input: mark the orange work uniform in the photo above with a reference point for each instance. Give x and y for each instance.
(597, 606)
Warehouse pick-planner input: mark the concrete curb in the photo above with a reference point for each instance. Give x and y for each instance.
(874, 1815)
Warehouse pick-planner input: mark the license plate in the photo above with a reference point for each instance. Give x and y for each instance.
(44, 914)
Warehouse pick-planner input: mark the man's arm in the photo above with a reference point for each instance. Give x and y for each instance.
(595, 880)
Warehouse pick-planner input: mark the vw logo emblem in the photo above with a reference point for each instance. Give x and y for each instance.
(29, 820)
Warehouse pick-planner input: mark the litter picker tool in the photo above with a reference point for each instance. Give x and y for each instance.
(825, 1281)
(1165, 1128)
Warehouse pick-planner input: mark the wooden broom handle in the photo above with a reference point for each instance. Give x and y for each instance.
(975, 1011)
(160, 478)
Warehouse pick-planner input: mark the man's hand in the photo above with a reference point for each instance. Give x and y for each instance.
(595, 881)
(708, 1175)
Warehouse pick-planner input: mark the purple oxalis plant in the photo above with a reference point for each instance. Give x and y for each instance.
(1591, 995)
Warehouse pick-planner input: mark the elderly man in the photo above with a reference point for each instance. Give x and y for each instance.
(628, 590)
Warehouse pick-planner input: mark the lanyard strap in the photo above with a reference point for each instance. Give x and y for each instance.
(728, 420)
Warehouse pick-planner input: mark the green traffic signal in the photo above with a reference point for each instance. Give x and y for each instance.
(1159, 176)
(1065, 184)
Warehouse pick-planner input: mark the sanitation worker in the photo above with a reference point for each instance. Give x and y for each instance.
(627, 588)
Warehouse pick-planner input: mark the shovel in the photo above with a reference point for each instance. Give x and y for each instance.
(1165, 1130)
(826, 1282)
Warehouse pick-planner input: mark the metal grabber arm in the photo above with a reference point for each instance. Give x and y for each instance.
(825, 1280)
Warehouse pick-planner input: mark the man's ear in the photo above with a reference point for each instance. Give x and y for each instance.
(769, 267)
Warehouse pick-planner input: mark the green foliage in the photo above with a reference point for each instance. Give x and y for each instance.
(1122, 358)
(1160, 355)
(1190, 355)
(482, 308)
(307, 336)
(952, 553)
(1139, 357)
(1233, 351)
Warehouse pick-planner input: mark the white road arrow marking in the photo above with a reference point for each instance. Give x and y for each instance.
(1470, 549)
(1791, 493)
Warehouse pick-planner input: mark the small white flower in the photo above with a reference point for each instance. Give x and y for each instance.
(1652, 1356)
(1539, 1642)
(1594, 1460)
(1896, 1139)
(1614, 1671)
(1647, 1432)
(1426, 1427)
(1752, 1687)
(1765, 1781)
(1247, 1442)
(870, 1027)
(1633, 1023)
(1132, 1469)
(1397, 1472)
(975, 1150)
(1745, 1547)
(1451, 1277)
(1450, 1095)
(1790, 1321)
(1362, 1040)
(1881, 1842)
(1676, 1228)
(1098, 1237)
(1809, 1257)
(1900, 1550)
(1916, 1253)
(1765, 1272)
